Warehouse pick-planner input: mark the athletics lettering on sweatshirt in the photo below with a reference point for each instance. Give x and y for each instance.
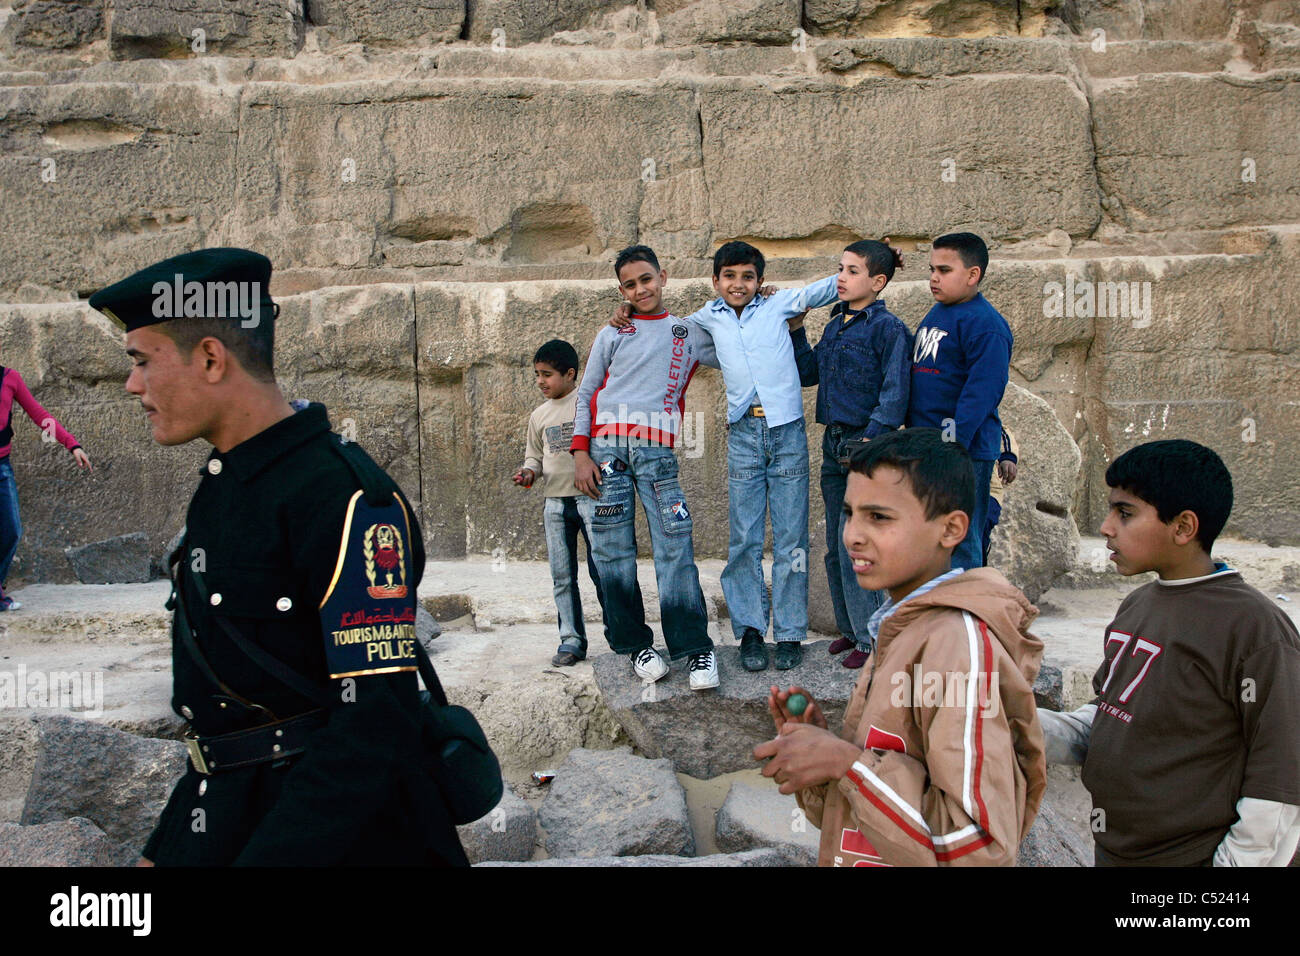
(635, 381)
(960, 364)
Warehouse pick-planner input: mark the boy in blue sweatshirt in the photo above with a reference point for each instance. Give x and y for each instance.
(960, 364)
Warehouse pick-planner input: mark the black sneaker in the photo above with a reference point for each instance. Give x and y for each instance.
(788, 654)
(753, 653)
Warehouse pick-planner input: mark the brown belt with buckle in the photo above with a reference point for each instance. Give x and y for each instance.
(244, 748)
(755, 411)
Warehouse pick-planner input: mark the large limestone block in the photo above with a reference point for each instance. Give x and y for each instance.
(506, 171)
(508, 832)
(611, 802)
(351, 349)
(532, 723)
(54, 24)
(19, 740)
(391, 22)
(1150, 19)
(1180, 177)
(165, 28)
(75, 842)
(120, 560)
(812, 170)
(945, 18)
(1036, 539)
(706, 733)
(105, 178)
(752, 817)
(118, 781)
(683, 23)
(527, 21)
(1215, 364)
(941, 56)
(1053, 841)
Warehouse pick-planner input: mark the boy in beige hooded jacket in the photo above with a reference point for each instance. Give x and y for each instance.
(941, 757)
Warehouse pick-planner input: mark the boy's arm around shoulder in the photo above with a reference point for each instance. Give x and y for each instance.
(955, 802)
(812, 296)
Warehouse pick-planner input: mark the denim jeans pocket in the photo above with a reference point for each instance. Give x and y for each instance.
(614, 506)
(674, 515)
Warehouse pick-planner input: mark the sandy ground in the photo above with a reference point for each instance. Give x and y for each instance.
(499, 629)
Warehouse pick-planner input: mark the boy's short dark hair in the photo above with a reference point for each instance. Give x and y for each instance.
(969, 247)
(636, 254)
(737, 253)
(939, 471)
(559, 355)
(253, 346)
(881, 259)
(1174, 476)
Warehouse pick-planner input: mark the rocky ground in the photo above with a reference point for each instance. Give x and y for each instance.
(685, 785)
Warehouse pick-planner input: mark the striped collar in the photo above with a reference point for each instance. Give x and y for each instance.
(657, 315)
(890, 606)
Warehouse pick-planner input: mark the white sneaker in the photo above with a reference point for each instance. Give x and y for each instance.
(704, 671)
(648, 665)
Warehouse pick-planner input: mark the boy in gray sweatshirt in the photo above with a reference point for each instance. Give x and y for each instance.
(628, 417)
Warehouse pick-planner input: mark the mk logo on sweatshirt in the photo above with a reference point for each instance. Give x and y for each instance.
(927, 344)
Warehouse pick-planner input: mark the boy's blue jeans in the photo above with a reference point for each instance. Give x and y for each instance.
(853, 604)
(970, 553)
(767, 467)
(11, 527)
(563, 524)
(630, 468)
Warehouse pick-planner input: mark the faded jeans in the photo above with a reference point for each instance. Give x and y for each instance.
(853, 604)
(631, 468)
(563, 524)
(767, 468)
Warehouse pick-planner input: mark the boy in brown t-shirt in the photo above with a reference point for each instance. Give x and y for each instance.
(1190, 750)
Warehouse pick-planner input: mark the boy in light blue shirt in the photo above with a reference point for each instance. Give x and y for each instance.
(767, 450)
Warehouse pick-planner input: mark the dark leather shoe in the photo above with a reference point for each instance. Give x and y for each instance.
(565, 659)
(788, 654)
(839, 646)
(753, 653)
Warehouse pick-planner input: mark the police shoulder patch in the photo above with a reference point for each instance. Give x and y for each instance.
(368, 612)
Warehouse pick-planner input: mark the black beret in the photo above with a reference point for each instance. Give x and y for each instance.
(223, 283)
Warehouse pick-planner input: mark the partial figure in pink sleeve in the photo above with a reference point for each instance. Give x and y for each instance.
(14, 391)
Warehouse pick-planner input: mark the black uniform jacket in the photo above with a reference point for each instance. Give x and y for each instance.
(264, 531)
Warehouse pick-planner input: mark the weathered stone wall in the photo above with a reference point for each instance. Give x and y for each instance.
(442, 185)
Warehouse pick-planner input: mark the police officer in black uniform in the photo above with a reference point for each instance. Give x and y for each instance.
(293, 632)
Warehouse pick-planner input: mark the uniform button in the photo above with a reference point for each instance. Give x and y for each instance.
(222, 705)
(203, 787)
(186, 712)
(215, 599)
(214, 466)
(283, 604)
